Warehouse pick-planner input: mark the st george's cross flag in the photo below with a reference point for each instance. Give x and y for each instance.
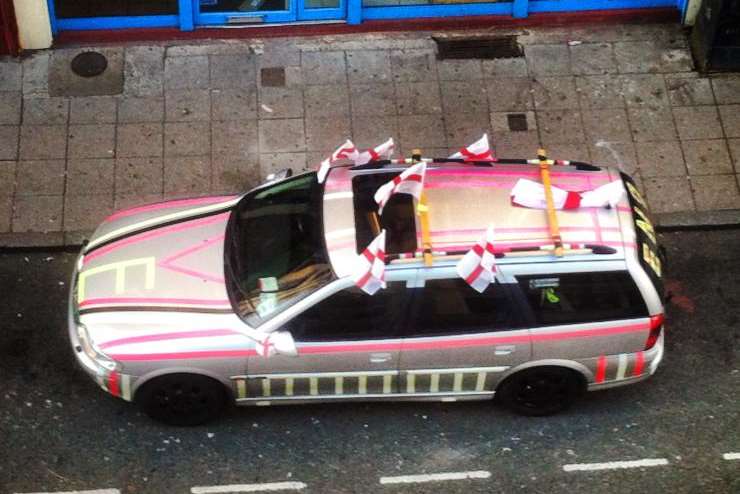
(531, 194)
(480, 150)
(381, 152)
(478, 265)
(410, 181)
(346, 151)
(369, 272)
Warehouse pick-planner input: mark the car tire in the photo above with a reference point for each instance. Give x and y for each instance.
(182, 399)
(540, 391)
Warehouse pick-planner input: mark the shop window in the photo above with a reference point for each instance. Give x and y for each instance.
(242, 5)
(394, 3)
(70, 9)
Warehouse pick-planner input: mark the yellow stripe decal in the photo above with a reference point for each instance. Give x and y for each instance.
(120, 270)
(241, 388)
(410, 383)
(289, 386)
(387, 384)
(314, 384)
(457, 383)
(265, 387)
(480, 383)
(434, 384)
(362, 385)
(338, 385)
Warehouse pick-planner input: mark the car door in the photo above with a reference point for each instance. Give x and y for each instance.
(348, 347)
(460, 341)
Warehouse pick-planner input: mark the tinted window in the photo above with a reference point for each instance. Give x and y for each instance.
(583, 297)
(352, 315)
(452, 306)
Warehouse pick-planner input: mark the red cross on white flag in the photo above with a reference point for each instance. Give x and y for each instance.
(531, 194)
(265, 348)
(369, 274)
(480, 150)
(411, 181)
(346, 151)
(383, 151)
(478, 265)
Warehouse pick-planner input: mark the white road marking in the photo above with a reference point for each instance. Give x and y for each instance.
(94, 491)
(435, 477)
(731, 456)
(612, 465)
(266, 487)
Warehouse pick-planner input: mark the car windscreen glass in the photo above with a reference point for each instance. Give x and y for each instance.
(274, 251)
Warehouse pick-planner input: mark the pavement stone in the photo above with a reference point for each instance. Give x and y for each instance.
(37, 213)
(713, 192)
(234, 104)
(697, 122)
(94, 175)
(62, 81)
(707, 157)
(187, 176)
(187, 105)
(10, 107)
(235, 174)
(44, 177)
(93, 109)
(139, 140)
(41, 142)
(186, 72)
(660, 159)
(218, 117)
(8, 142)
(280, 102)
(286, 135)
(326, 100)
(368, 66)
(139, 176)
(45, 111)
(91, 141)
(133, 109)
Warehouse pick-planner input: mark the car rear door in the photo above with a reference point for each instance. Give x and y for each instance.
(348, 347)
(459, 341)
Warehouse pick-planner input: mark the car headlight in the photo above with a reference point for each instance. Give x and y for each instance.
(91, 351)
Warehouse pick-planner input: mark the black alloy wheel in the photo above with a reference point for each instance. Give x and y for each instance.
(182, 399)
(540, 391)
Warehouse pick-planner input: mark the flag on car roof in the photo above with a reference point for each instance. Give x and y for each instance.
(478, 265)
(369, 274)
(531, 194)
(346, 151)
(383, 151)
(410, 181)
(480, 150)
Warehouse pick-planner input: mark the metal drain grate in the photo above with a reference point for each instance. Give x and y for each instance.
(483, 48)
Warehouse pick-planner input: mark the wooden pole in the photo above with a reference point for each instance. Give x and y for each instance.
(552, 219)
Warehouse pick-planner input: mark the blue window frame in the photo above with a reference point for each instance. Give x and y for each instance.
(191, 15)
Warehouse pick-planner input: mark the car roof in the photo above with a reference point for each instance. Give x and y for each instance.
(464, 200)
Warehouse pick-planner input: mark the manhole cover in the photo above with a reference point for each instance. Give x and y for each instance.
(517, 122)
(273, 76)
(485, 48)
(89, 64)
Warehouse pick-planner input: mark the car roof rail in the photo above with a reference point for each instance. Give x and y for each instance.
(380, 164)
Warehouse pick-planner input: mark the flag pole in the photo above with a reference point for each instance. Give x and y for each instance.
(552, 219)
(423, 211)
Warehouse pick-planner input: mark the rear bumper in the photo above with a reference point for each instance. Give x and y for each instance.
(627, 368)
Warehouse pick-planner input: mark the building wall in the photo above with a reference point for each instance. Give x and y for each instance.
(34, 26)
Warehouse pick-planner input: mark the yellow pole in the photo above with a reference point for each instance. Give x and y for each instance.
(552, 219)
(423, 211)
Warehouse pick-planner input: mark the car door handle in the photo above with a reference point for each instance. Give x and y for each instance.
(379, 358)
(504, 349)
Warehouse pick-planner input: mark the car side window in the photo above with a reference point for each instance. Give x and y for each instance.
(351, 314)
(451, 306)
(582, 297)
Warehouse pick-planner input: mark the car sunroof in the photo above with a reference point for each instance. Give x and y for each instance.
(398, 217)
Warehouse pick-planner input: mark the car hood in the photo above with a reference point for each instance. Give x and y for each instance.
(162, 256)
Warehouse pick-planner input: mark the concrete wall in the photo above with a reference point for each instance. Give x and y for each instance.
(34, 26)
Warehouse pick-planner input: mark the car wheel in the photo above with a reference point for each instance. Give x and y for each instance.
(540, 391)
(182, 399)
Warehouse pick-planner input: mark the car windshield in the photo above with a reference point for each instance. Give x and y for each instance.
(274, 251)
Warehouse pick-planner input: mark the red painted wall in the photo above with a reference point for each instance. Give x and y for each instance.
(8, 29)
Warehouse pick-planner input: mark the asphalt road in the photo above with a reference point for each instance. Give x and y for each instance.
(59, 432)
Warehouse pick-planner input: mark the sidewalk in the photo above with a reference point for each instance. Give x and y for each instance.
(217, 117)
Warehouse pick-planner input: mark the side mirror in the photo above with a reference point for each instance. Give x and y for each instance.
(280, 175)
(284, 343)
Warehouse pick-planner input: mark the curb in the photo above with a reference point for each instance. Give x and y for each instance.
(665, 222)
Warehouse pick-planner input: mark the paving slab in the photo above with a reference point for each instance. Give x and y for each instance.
(10, 107)
(64, 82)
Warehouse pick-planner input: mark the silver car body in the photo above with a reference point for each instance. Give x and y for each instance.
(149, 299)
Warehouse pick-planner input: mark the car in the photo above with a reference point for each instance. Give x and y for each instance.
(190, 305)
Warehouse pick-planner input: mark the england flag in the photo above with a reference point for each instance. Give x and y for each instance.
(480, 150)
(411, 181)
(478, 265)
(369, 274)
(346, 151)
(383, 151)
(531, 194)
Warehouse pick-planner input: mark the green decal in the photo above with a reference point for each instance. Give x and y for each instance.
(551, 296)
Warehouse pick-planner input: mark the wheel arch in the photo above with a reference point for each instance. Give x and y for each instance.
(581, 370)
(149, 376)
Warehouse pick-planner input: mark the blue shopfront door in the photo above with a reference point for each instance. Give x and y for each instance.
(239, 12)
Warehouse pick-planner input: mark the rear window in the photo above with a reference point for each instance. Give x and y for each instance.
(398, 217)
(582, 297)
